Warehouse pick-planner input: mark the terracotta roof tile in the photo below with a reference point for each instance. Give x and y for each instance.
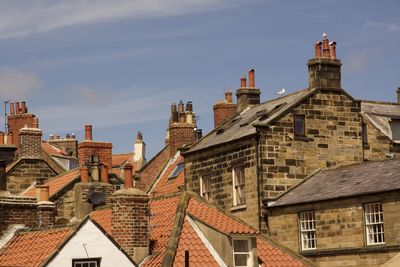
(120, 159)
(30, 249)
(150, 171)
(165, 185)
(103, 218)
(53, 150)
(57, 183)
(217, 219)
(161, 223)
(199, 255)
(270, 256)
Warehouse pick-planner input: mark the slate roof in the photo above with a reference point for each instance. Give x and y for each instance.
(346, 181)
(380, 114)
(57, 183)
(241, 125)
(32, 248)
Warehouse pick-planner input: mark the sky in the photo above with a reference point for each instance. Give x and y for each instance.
(119, 65)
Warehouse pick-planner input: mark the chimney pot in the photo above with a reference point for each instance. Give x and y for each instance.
(318, 52)
(10, 139)
(23, 107)
(51, 137)
(84, 170)
(181, 107)
(73, 136)
(88, 132)
(228, 96)
(326, 51)
(189, 106)
(17, 109)
(57, 137)
(104, 174)
(44, 193)
(12, 109)
(139, 137)
(1, 138)
(252, 83)
(243, 82)
(128, 179)
(67, 136)
(333, 50)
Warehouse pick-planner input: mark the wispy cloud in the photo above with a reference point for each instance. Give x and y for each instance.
(16, 84)
(360, 60)
(21, 18)
(390, 27)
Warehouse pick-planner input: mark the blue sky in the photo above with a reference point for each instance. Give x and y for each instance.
(120, 64)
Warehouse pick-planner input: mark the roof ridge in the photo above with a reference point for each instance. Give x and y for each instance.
(379, 102)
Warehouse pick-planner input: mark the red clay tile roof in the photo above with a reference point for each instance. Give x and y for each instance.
(120, 159)
(270, 256)
(199, 255)
(161, 223)
(57, 183)
(31, 248)
(53, 150)
(217, 219)
(103, 218)
(167, 186)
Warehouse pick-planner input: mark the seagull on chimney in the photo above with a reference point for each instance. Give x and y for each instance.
(281, 92)
(324, 35)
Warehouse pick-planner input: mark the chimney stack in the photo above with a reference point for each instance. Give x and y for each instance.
(139, 150)
(182, 126)
(224, 109)
(324, 69)
(88, 132)
(247, 96)
(30, 143)
(130, 222)
(128, 178)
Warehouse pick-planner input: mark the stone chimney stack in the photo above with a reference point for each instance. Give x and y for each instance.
(140, 150)
(130, 219)
(398, 95)
(247, 95)
(17, 119)
(182, 125)
(224, 109)
(30, 143)
(324, 68)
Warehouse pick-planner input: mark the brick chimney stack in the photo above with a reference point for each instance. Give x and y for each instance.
(182, 125)
(224, 109)
(89, 148)
(18, 119)
(130, 219)
(30, 143)
(324, 68)
(247, 95)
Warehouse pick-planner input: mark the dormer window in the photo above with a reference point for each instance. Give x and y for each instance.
(242, 252)
(299, 126)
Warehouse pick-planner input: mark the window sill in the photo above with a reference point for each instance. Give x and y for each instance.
(238, 207)
(301, 138)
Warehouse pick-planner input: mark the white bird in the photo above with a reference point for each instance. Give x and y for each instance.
(324, 35)
(281, 92)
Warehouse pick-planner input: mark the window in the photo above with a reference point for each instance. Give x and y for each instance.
(86, 262)
(205, 187)
(374, 223)
(242, 255)
(238, 186)
(395, 128)
(307, 230)
(176, 171)
(299, 125)
(364, 134)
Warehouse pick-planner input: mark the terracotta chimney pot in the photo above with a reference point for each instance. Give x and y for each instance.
(104, 174)
(318, 52)
(1, 138)
(252, 83)
(228, 96)
(44, 193)
(88, 132)
(243, 82)
(333, 50)
(17, 109)
(23, 107)
(12, 109)
(84, 170)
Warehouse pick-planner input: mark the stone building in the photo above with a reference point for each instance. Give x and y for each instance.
(346, 216)
(266, 148)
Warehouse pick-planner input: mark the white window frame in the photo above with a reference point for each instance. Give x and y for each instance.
(249, 252)
(86, 262)
(239, 188)
(205, 187)
(374, 225)
(308, 233)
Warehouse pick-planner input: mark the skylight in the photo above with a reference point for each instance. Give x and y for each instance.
(176, 171)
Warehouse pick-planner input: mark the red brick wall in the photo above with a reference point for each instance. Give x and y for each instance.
(150, 171)
(16, 122)
(223, 111)
(130, 219)
(179, 135)
(102, 149)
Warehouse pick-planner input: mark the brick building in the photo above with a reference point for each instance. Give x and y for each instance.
(346, 216)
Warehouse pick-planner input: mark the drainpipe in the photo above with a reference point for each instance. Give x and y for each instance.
(260, 190)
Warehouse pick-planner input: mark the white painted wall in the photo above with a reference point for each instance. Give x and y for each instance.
(97, 245)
